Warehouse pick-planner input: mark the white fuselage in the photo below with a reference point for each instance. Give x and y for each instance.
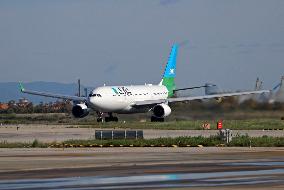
(121, 99)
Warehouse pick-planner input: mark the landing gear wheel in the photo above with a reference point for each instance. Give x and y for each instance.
(108, 119)
(99, 120)
(156, 119)
(115, 119)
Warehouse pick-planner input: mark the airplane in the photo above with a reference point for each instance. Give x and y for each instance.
(134, 98)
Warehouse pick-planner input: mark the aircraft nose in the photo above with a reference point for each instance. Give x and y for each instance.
(92, 99)
(95, 100)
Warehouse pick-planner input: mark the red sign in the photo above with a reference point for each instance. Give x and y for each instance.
(219, 124)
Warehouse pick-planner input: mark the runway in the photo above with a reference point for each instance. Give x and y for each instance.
(51, 133)
(142, 168)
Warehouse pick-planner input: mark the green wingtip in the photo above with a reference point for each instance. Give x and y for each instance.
(21, 87)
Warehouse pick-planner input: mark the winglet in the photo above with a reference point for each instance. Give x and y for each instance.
(21, 87)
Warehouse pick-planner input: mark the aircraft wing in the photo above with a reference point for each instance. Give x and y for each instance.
(51, 95)
(215, 96)
(190, 98)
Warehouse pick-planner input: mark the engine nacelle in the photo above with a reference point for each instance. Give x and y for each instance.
(162, 110)
(80, 110)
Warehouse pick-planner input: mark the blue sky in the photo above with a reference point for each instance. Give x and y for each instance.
(228, 42)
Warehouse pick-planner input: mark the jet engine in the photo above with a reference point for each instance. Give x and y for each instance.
(80, 110)
(162, 110)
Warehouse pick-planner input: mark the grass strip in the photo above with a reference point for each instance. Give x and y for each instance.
(239, 141)
(90, 122)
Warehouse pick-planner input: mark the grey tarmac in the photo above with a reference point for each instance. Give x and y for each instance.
(142, 168)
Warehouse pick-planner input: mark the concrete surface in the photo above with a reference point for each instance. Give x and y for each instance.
(142, 168)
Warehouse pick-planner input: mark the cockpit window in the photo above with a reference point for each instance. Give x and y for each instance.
(94, 95)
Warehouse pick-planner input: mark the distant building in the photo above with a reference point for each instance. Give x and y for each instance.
(256, 97)
(258, 84)
(12, 103)
(23, 102)
(4, 106)
(279, 95)
(56, 106)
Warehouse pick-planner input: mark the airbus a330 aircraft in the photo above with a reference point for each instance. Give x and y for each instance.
(134, 99)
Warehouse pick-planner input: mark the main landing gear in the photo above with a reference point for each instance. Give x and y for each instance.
(157, 119)
(107, 119)
(99, 119)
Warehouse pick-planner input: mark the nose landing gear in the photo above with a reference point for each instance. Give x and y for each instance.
(100, 117)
